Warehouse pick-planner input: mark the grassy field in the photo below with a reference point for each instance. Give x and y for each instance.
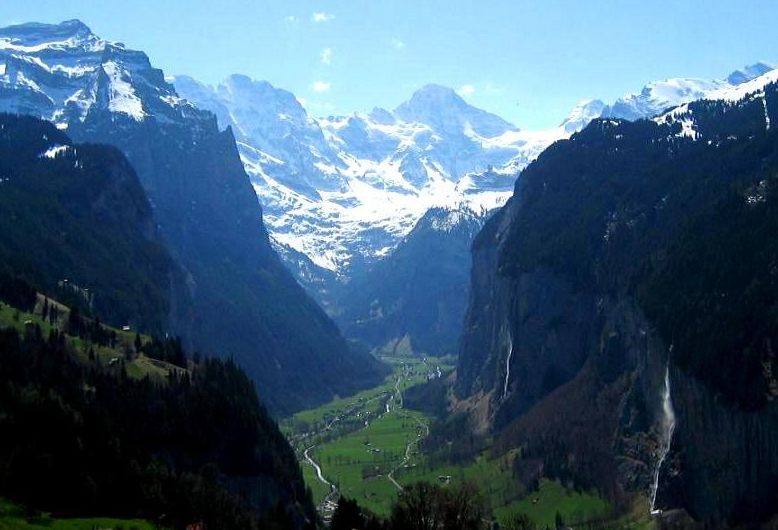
(360, 440)
(367, 401)
(139, 367)
(11, 518)
(359, 462)
(542, 506)
(493, 477)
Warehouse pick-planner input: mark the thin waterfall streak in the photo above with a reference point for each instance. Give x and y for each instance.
(667, 429)
(508, 366)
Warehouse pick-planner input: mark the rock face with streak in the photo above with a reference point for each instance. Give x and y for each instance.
(616, 248)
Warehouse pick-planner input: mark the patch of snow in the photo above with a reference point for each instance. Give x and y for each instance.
(54, 151)
(687, 129)
(122, 94)
(730, 94)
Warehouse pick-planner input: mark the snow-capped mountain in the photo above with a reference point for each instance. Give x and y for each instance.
(686, 122)
(417, 295)
(240, 298)
(658, 96)
(61, 72)
(585, 111)
(344, 190)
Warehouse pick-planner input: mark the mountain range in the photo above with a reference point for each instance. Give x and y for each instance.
(620, 326)
(344, 190)
(339, 194)
(608, 286)
(342, 194)
(244, 302)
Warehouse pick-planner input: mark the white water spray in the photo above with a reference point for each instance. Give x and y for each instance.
(508, 366)
(667, 427)
(766, 114)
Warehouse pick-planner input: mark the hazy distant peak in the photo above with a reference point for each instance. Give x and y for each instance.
(584, 111)
(749, 72)
(444, 110)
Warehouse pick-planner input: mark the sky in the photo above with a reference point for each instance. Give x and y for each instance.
(528, 61)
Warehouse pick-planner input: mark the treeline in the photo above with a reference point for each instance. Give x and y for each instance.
(169, 350)
(425, 506)
(195, 448)
(420, 506)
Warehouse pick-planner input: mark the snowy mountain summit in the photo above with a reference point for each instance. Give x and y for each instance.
(344, 190)
(659, 96)
(63, 72)
(445, 111)
(341, 190)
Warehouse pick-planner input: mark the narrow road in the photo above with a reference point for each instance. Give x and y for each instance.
(407, 457)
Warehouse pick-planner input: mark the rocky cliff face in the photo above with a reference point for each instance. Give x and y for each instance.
(610, 332)
(724, 459)
(418, 291)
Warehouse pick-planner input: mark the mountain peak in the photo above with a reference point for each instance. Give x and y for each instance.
(37, 32)
(74, 24)
(448, 218)
(436, 91)
(443, 109)
(584, 111)
(430, 96)
(749, 72)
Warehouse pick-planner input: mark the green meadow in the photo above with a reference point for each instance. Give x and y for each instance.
(358, 444)
(12, 518)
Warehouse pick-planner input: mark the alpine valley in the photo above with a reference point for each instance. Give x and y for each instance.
(218, 311)
(342, 194)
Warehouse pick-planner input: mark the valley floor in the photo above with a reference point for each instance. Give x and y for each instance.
(368, 447)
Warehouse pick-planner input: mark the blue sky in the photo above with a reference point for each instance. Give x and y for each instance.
(529, 61)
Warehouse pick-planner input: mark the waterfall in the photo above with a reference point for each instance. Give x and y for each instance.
(667, 427)
(766, 114)
(508, 366)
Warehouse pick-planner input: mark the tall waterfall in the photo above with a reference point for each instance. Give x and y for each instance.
(667, 427)
(508, 366)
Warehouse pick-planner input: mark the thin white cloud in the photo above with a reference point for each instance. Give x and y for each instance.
(320, 86)
(291, 19)
(322, 17)
(326, 56)
(398, 44)
(466, 90)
